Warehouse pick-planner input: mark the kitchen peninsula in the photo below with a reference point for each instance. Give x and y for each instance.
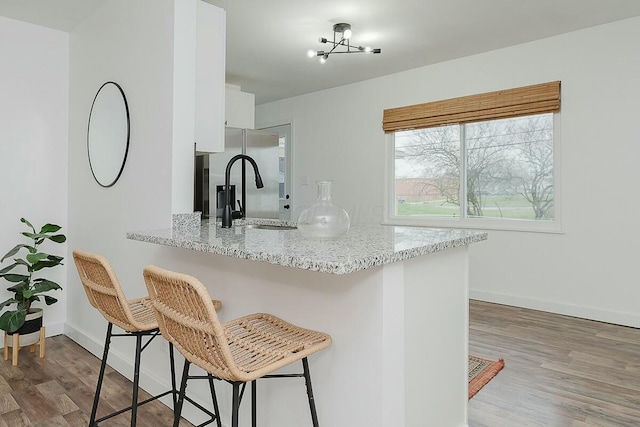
(394, 299)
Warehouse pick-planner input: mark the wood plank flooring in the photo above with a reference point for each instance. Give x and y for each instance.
(560, 372)
(58, 391)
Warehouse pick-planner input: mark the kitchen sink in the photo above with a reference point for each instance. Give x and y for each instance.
(271, 227)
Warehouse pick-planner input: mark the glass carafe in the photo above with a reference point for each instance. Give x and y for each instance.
(323, 219)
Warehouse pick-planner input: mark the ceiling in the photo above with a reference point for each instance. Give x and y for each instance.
(267, 41)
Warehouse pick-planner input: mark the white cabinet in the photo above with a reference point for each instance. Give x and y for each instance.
(210, 77)
(239, 108)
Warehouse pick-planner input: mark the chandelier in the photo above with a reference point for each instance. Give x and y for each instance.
(340, 44)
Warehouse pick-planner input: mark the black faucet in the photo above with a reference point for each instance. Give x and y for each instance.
(226, 212)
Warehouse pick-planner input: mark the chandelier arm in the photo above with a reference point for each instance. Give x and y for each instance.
(346, 51)
(335, 45)
(347, 45)
(323, 53)
(356, 48)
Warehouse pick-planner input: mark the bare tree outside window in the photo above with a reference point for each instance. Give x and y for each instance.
(508, 169)
(428, 168)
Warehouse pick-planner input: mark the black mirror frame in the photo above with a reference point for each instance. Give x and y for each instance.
(126, 151)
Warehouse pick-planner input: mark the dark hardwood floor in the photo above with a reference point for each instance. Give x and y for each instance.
(560, 372)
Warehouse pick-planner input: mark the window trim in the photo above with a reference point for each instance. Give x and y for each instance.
(553, 226)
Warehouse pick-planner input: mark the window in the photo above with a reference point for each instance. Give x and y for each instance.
(498, 173)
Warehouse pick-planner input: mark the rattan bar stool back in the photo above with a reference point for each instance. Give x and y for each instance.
(136, 317)
(239, 351)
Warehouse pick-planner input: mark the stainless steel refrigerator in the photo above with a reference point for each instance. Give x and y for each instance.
(263, 147)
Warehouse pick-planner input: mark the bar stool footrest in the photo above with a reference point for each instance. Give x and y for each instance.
(122, 411)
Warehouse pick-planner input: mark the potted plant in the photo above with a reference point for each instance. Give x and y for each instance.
(24, 284)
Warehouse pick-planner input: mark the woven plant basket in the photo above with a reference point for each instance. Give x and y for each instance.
(30, 331)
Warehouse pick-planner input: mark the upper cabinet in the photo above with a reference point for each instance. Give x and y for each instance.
(210, 78)
(239, 108)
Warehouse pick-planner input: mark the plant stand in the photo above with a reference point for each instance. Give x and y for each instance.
(15, 344)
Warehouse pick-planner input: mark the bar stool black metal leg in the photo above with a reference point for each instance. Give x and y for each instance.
(312, 404)
(103, 365)
(214, 398)
(136, 381)
(174, 391)
(254, 404)
(177, 413)
(235, 404)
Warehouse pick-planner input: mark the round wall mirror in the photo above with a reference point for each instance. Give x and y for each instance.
(108, 134)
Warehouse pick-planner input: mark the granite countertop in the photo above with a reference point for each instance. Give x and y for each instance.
(364, 246)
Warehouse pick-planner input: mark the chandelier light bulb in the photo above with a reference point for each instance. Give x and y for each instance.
(324, 58)
(311, 53)
(368, 49)
(347, 34)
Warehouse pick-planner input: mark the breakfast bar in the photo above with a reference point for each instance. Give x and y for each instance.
(393, 298)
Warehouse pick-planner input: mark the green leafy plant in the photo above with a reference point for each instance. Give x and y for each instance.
(25, 286)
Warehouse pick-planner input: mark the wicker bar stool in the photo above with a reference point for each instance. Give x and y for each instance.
(239, 351)
(136, 317)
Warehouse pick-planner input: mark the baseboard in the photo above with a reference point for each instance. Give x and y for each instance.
(148, 381)
(591, 313)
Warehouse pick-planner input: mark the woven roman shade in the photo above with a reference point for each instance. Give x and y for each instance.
(501, 104)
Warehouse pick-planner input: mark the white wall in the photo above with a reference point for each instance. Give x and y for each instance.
(130, 43)
(589, 270)
(34, 101)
